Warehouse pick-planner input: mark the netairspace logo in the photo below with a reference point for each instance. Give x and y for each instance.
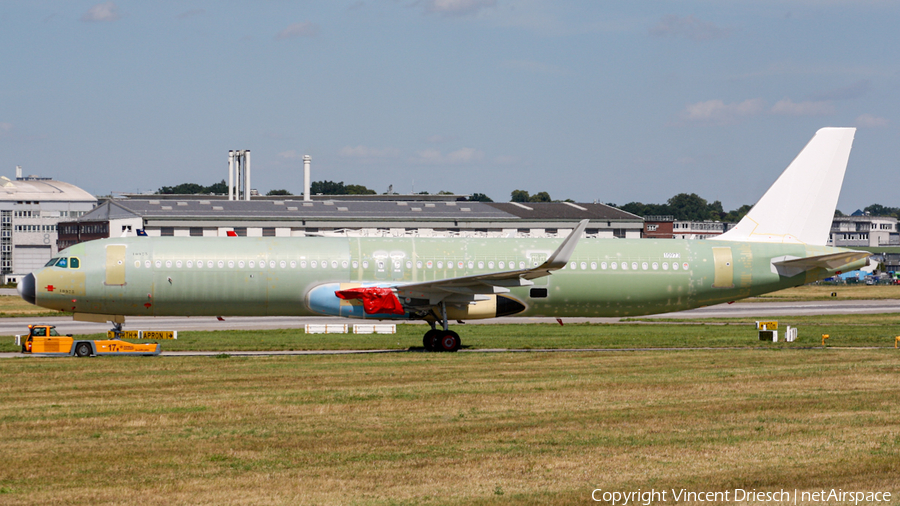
(653, 496)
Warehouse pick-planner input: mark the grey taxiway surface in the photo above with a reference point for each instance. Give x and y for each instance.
(762, 310)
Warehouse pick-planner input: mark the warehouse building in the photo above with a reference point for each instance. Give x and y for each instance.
(31, 208)
(282, 217)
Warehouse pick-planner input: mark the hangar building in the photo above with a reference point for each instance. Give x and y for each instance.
(30, 209)
(184, 215)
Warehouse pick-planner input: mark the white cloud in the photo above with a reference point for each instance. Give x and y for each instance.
(108, 11)
(364, 152)
(809, 108)
(458, 157)
(687, 27)
(457, 7)
(717, 111)
(304, 29)
(870, 121)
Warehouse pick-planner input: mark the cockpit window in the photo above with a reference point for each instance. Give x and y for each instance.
(62, 262)
(51, 262)
(74, 263)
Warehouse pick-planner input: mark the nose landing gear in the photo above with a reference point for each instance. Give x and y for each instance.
(441, 339)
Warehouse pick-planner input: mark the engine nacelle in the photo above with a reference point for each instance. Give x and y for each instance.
(323, 300)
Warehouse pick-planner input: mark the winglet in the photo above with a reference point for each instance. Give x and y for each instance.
(561, 256)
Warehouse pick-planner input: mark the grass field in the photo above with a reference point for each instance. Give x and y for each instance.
(417, 428)
(844, 331)
(824, 292)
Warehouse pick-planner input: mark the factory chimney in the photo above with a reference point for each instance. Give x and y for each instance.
(239, 174)
(306, 160)
(18, 172)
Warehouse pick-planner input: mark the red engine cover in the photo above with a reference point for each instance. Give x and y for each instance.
(375, 299)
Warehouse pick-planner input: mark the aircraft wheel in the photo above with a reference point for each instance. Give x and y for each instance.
(430, 341)
(449, 341)
(83, 350)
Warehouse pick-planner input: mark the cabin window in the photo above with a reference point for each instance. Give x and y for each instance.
(538, 293)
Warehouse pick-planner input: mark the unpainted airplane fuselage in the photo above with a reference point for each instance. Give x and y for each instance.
(238, 276)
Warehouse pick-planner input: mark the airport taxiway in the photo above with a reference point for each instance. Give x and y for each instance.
(761, 310)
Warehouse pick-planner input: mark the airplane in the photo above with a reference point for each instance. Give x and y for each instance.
(780, 243)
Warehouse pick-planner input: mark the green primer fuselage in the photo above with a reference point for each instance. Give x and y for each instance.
(238, 276)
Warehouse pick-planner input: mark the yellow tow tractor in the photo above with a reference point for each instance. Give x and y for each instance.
(45, 340)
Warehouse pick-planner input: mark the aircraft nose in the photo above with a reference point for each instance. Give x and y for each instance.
(26, 288)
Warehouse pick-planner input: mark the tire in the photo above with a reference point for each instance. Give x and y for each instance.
(83, 350)
(449, 341)
(430, 341)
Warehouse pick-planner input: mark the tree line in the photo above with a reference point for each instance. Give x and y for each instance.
(684, 206)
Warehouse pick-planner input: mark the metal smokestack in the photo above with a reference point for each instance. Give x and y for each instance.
(306, 160)
(247, 175)
(230, 174)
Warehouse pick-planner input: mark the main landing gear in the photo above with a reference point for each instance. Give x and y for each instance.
(441, 339)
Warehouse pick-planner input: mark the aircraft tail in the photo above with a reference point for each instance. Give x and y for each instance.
(799, 207)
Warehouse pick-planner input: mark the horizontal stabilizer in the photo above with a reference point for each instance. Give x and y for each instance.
(833, 261)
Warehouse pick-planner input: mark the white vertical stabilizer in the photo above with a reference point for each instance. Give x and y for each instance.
(799, 207)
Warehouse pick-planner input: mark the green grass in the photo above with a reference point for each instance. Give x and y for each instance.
(855, 330)
(421, 428)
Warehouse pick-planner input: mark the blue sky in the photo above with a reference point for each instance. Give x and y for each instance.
(593, 100)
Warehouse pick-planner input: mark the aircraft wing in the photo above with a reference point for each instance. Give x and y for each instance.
(467, 288)
(793, 266)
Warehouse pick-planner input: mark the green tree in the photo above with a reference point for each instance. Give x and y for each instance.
(880, 210)
(278, 192)
(519, 196)
(479, 197)
(735, 215)
(220, 188)
(356, 189)
(540, 197)
(689, 207)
